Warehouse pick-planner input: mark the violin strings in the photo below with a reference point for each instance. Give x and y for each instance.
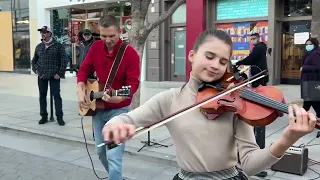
(280, 106)
(277, 103)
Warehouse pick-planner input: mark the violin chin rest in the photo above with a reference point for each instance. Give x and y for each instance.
(211, 116)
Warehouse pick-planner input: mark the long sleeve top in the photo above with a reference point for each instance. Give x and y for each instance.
(202, 145)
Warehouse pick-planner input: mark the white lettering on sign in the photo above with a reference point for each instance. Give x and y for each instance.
(153, 45)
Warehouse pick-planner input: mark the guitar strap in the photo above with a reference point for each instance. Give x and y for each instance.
(116, 65)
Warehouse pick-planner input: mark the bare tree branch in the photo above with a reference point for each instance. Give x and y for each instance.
(165, 15)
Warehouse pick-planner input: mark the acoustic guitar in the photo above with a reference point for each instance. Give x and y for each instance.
(94, 92)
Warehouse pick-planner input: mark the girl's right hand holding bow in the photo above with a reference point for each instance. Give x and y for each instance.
(118, 132)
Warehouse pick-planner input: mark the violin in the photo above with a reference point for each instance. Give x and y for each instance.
(258, 106)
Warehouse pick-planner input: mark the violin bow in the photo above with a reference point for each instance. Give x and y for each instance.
(240, 72)
(142, 130)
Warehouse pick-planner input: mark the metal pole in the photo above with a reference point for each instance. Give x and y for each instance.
(51, 106)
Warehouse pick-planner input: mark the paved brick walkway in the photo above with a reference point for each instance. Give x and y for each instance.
(16, 165)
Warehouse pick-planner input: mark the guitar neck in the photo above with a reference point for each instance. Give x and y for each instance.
(99, 95)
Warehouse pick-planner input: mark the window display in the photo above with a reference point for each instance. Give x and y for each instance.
(68, 23)
(294, 8)
(21, 35)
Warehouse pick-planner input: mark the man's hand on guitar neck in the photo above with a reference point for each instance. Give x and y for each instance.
(82, 98)
(113, 99)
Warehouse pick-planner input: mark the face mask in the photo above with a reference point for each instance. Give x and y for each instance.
(309, 47)
(254, 42)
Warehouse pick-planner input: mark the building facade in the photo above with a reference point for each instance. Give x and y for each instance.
(15, 50)
(284, 25)
(68, 17)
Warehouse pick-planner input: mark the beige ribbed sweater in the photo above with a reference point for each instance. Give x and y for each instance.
(202, 145)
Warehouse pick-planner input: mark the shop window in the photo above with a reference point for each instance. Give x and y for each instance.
(62, 31)
(5, 5)
(21, 48)
(60, 24)
(20, 20)
(179, 16)
(294, 37)
(20, 4)
(294, 8)
(21, 35)
(114, 8)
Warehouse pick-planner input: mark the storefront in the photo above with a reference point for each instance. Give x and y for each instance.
(284, 26)
(15, 41)
(69, 18)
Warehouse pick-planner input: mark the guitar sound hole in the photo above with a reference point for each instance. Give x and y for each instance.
(91, 96)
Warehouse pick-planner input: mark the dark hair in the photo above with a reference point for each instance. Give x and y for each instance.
(314, 41)
(203, 38)
(256, 35)
(109, 20)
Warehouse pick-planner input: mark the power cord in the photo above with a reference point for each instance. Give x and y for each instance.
(85, 140)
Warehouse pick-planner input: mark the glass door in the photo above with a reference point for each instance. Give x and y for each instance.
(294, 35)
(178, 54)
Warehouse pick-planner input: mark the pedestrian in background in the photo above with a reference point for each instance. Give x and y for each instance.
(49, 63)
(85, 45)
(310, 76)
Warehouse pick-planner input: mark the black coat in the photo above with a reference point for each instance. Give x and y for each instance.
(257, 59)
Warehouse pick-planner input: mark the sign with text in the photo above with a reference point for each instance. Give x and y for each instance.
(240, 35)
(301, 38)
(235, 9)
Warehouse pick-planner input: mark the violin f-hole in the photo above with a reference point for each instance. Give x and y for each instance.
(226, 100)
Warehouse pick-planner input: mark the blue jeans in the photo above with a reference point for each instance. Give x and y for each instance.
(110, 159)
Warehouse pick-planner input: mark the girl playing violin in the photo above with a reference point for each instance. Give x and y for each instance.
(207, 149)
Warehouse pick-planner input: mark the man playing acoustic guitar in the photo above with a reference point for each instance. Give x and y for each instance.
(101, 58)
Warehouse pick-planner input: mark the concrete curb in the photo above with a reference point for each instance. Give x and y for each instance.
(159, 158)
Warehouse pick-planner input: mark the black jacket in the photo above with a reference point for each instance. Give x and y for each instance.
(48, 62)
(257, 59)
(84, 49)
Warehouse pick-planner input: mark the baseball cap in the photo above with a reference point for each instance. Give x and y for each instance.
(86, 32)
(45, 29)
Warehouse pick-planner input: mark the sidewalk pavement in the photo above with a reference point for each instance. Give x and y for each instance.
(20, 111)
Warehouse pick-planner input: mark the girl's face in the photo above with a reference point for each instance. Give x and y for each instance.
(211, 60)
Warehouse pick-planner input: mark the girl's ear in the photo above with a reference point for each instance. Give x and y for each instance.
(191, 56)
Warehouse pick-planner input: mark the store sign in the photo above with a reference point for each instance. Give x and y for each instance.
(235, 9)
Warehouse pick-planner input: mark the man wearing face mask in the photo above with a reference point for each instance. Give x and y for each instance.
(49, 63)
(258, 61)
